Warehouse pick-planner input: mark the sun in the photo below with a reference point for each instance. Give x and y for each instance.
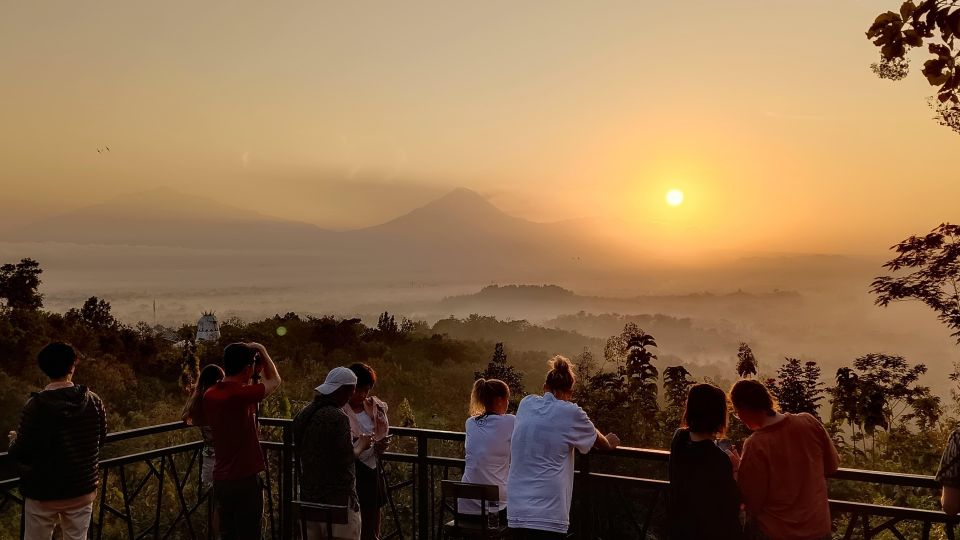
(674, 197)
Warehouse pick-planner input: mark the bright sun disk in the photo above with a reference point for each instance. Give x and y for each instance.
(674, 197)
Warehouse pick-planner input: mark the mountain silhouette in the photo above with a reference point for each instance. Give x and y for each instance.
(168, 218)
(460, 233)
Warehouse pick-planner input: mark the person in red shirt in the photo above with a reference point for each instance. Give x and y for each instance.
(230, 408)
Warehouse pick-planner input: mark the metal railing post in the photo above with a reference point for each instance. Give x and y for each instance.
(586, 509)
(286, 483)
(423, 493)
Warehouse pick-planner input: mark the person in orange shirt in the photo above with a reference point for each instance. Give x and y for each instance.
(784, 468)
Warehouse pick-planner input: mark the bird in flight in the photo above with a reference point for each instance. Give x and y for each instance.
(103, 149)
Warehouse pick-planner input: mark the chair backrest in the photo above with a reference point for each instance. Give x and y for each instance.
(466, 490)
(484, 493)
(328, 514)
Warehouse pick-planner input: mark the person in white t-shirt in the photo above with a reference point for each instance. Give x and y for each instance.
(368, 415)
(549, 428)
(489, 431)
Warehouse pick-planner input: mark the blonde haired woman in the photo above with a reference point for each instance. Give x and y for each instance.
(549, 429)
(487, 449)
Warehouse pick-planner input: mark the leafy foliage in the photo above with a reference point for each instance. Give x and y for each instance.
(936, 24)
(798, 387)
(676, 384)
(934, 278)
(20, 283)
(498, 368)
(881, 391)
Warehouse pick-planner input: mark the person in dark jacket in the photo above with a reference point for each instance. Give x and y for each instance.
(327, 453)
(704, 501)
(57, 450)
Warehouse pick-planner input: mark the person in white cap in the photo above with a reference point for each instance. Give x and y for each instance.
(327, 453)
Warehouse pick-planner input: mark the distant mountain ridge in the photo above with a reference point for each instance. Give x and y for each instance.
(459, 232)
(165, 217)
(459, 237)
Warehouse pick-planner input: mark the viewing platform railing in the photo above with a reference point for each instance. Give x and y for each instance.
(150, 488)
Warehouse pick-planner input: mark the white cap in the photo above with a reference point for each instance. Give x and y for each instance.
(338, 376)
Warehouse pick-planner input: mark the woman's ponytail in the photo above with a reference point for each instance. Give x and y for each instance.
(560, 378)
(484, 395)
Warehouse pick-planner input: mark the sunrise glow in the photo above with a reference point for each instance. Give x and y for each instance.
(674, 197)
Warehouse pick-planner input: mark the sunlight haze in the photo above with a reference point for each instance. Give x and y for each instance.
(349, 114)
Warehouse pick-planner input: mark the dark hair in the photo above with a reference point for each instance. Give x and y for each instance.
(366, 376)
(706, 410)
(209, 375)
(753, 396)
(560, 377)
(56, 359)
(193, 410)
(236, 357)
(485, 391)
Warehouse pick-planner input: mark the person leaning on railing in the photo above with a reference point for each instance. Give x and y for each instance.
(489, 431)
(230, 408)
(704, 499)
(549, 429)
(949, 475)
(57, 450)
(192, 414)
(784, 468)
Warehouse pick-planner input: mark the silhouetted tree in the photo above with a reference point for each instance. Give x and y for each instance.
(746, 362)
(935, 23)
(636, 377)
(880, 391)
(498, 368)
(20, 283)
(387, 325)
(584, 367)
(798, 387)
(934, 278)
(95, 313)
(676, 384)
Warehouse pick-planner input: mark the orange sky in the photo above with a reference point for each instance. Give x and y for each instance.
(347, 113)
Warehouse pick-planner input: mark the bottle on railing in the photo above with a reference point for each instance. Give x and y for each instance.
(493, 514)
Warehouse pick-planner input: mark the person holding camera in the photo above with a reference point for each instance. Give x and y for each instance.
(230, 408)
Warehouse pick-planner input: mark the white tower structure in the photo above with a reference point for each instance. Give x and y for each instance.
(208, 328)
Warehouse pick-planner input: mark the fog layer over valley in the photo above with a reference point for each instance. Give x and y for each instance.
(162, 262)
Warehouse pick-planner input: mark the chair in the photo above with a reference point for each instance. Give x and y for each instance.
(328, 514)
(469, 525)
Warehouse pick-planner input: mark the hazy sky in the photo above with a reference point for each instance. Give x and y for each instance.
(340, 113)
